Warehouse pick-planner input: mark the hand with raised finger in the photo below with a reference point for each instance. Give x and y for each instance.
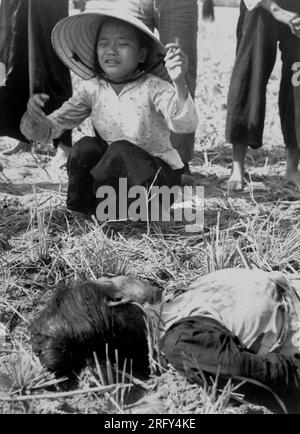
(35, 106)
(176, 62)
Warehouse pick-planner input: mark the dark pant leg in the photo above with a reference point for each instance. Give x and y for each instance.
(11, 112)
(289, 95)
(83, 157)
(14, 40)
(126, 160)
(257, 34)
(65, 139)
(48, 73)
(199, 344)
(177, 18)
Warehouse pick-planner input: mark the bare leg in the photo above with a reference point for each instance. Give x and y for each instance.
(236, 180)
(291, 171)
(60, 159)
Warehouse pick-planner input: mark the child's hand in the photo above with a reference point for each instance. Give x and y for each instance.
(35, 106)
(176, 62)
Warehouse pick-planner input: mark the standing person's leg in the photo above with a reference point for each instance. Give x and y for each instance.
(51, 76)
(13, 48)
(257, 34)
(48, 73)
(289, 103)
(179, 19)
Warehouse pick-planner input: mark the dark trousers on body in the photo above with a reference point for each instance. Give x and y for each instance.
(92, 163)
(258, 35)
(198, 346)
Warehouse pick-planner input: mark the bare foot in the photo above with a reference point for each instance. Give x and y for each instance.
(293, 177)
(19, 147)
(61, 157)
(235, 182)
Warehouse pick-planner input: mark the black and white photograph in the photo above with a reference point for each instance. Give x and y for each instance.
(149, 209)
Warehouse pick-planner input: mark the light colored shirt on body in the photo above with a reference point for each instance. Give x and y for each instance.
(254, 305)
(144, 113)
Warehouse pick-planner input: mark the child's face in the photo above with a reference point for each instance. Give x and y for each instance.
(119, 51)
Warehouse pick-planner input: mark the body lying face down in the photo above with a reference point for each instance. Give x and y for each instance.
(88, 316)
(256, 309)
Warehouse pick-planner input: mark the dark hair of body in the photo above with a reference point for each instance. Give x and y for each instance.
(78, 321)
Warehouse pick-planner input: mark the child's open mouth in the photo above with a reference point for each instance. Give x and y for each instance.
(111, 62)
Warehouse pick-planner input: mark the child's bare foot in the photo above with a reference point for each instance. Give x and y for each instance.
(61, 157)
(293, 177)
